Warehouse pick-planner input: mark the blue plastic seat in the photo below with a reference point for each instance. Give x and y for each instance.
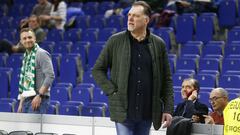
(71, 69)
(227, 13)
(81, 94)
(184, 28)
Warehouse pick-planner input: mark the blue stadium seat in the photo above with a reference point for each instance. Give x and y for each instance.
(69, 110)
(56, 60)
(184, 28)
(206, 80)
(3, 59)
(233, 35)
(230, 64)
(227, 13)
(203, 97)
(177, 97)
(55, 35)
(209, 64)
(94, 111)
(14, 83)
(81, 48)
(90, 35)
(204, 28)
(48, 45)
(105, 33)
(6, 107)
(15, 60)
(186, 63)
(90, 8)
(73, 35)
(99, 96)
(213, 50)
(104, 6)
(61, 94)
(190, 49)
(229, 81)
(71, 69)
(5, 77)
(62, 47)
(232, 50)
(167, 34)
(97, 21)
(178, 78)
(81, 94)
(93, 53)
(115, 21)
(82, 22)
(54, 106)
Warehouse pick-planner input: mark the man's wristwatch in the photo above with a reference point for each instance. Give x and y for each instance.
(41, 95)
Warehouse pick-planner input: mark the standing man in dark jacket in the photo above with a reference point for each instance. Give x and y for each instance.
(140, 86)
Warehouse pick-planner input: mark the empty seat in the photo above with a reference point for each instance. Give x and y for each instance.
(229, 81)
(97, 21)
(82, 22)
(203, 97)
(69, 110)
(6, 107)
(81, 94)
(93, 53)
(204, 28)
(5, 75)
(184, 28)
(115, 21)
(167, 34)
(15, 60)
(186, 63)
(209, 64)
(61, 94)
(105, 33)
(71, 69)
(233, 35)
(99, 96)
(55, 35)
(230, 64)
(227, 13)
(72, 35)
(206, 80)
(81, 48)
(90, 8)
(94, 111)
(232, 50)
(90, 35)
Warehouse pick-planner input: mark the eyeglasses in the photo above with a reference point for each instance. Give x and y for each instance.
(214, 99)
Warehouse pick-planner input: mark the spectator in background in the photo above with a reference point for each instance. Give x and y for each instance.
(190, 106)
(43, 7)
(58, 15)
(219, 100)
(33, 23)
(36, 75)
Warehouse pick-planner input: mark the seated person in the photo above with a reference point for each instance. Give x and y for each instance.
(219, 100)
(58, 15)
(33, 23)
(190, 104)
